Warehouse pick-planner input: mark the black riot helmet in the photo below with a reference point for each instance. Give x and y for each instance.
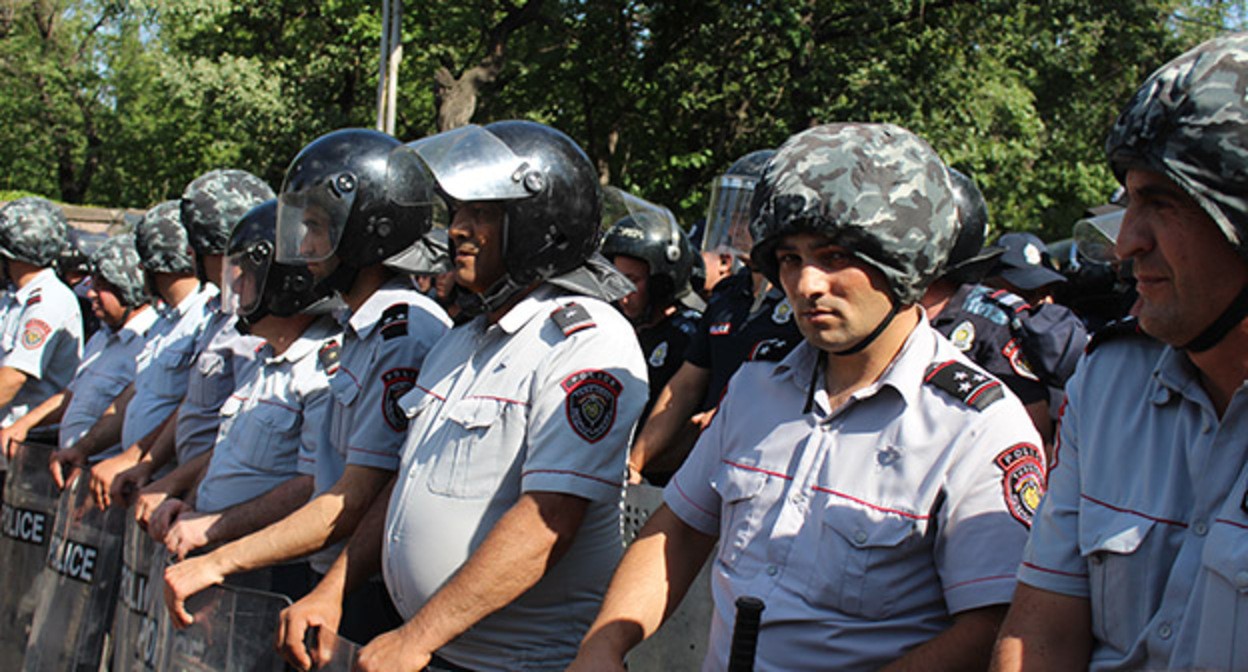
(342, 198)
(546, 184)
(969, 260)
(256, 285)
(649, 232)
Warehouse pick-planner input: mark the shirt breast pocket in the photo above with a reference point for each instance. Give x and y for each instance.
(213, 381)
(271, 441)
(741, 515)
(1113, 545)
(1222, 640)
(345, 391)
(471, 463)
(168, 370)
(865, 562)
(99, 393)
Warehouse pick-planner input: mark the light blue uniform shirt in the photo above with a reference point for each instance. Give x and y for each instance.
(222, 356)
(864, 528)
(273, 424)
(1147, 512)
(107, 367)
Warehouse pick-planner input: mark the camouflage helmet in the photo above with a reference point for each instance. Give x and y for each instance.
(214, 202)
(161, 240)
(1189, 122)
(877, 190)
(32, 230)
(117, 261)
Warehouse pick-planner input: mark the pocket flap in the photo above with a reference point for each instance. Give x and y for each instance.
(1102, 529)
(867, 527)
(735, 483)
(475, 412)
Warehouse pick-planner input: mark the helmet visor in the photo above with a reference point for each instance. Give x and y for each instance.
(471, 164)
(618, 205)
(245, 274)
(310, 222)
(728, 216)
(1095, 237)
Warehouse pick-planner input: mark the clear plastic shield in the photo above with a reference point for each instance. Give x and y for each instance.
(29, 511)
(78, 584)
(472, 164)
(310, 222)
(618, 204)
(728, 216)
(233, 630)
(1095, 237)
(245, 274)
(139, 605)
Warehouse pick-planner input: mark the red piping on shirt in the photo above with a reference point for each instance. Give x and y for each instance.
(904, 514)
(1046, 570)
(757, 469)
(570, 473)
(1134, 513)
(980, 580)
(1230, 522)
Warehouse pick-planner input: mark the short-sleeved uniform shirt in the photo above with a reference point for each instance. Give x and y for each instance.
(384, 344)
(164, 366)
(42, 337)
(733, 330)
(862, 529)
(664, 347)
(978, 326)
(544, 400)
(107, 367)
(222, 356)
(273, 424)
(1147, 512)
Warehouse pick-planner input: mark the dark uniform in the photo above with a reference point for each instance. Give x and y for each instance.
(664, 346)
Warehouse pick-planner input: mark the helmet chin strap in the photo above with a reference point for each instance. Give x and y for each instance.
(875, 333)
(340, 279)
(499, 293)
(1228, 320)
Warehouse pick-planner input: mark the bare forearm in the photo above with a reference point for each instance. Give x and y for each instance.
(107, 430)
(46, 413)
(159, 446)
(362, 556)
(178, 483)
(649, 584)
(252, 515)
(11, 382)
(966, 645)
(669, 419)
(1044, 631)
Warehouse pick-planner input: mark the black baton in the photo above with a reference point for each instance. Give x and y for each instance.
(745, 634)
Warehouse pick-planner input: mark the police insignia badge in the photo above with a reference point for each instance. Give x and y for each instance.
(1018, 362)
(782, 313)
(658, 355)
(720, 329)
(398, 382)
(591, 402)
(328, 356)
(394, 322)
(963, 336)
(35, 333)
(1023, 465)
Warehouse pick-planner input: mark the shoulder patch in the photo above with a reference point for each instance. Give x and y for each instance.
(398, 382)
(394, 322)
(328, 356)
(965, 384)
(1024, 476)
(35, 333)
(1125, 328)
(571, 318)
(590, 402)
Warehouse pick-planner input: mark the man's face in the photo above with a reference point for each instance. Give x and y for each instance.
(476, 234)
(638, 272)
(837, 299)
(105, 303)
(1186, 273)
(316, 243)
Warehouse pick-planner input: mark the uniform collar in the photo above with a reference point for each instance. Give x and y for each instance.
(44, 277)
(904, 374)
(368, 315)
(308, 342)
(138, 325)
(1174, 374)
(528, 308)
(204, 293)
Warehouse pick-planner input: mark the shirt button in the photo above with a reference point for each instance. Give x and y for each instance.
(860, 537)
(1241, 580)
(1096, 559)
(772, 569)
(1200, 528)
(797, 498)
(1164, 631)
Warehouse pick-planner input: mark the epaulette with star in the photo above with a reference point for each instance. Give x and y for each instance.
(571, 318)
(1125, 328)
(394, 322)
(967, 385)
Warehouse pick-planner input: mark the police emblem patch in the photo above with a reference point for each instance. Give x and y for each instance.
(720, 329)
(963, 336)
(1018, 362)
(658, 355)
(398, 382)
(35, 333)
(591, 402)
(1023, 465)
(782, 313)
(328, 356)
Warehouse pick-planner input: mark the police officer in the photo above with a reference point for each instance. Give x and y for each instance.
(273, 426)
(747, 318)
(73, 267)
(41, 336)
(874, 487)
(120, 300)
(649, 248)
(1025, 268)
(503, 524)
(1137, 559)
(339, 215)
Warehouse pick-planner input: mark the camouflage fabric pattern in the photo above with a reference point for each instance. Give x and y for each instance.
(877, 190)
(117, 261)
(161, 240)
(214, 202)
(1189, 122)
(33, 230)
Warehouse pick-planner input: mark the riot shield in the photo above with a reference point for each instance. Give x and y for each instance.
(78, 584)
(137, 616)
(29, 509)
(681, 643)
(233, 629)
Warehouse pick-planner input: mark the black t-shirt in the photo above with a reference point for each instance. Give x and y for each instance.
(729, 335)
(664, 347)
